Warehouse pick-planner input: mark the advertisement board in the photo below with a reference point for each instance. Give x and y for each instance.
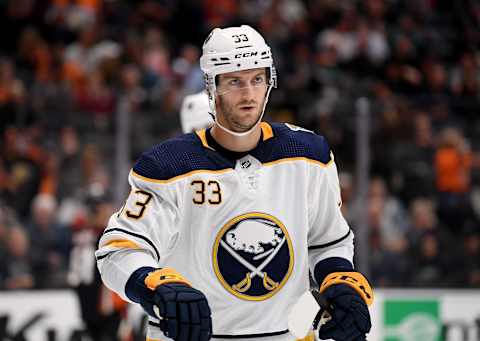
(39, 316)
(397, 315)
(426, 315)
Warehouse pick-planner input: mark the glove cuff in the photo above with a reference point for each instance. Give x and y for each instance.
(164, 276)
(353, 279)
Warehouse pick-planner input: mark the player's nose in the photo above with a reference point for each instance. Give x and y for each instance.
(248, 92)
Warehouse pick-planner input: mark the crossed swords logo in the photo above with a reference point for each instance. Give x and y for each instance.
(245, 283)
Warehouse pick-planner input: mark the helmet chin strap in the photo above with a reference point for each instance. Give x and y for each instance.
(249, 131)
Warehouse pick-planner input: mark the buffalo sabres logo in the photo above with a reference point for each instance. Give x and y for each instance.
(253, 256)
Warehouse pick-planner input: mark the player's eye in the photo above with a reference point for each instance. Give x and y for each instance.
(234, 82)
(259, 80)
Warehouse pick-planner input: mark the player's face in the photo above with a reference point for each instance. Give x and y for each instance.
(240, 98)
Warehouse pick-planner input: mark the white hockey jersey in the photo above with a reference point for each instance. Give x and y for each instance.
(243, 231)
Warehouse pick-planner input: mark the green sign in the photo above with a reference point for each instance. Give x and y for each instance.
(412, 320)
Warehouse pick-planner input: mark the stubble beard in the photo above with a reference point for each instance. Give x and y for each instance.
(233, 123)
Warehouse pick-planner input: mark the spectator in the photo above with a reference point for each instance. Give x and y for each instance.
(423, 220)
(430, 266)
(21, 164)
(96, 98)
(101, 309)
(413, 161)
(453, 162)
(389, 215)
(18, 274)
(12, 95)
(387, 223)
(186, 67)
(50, 243)
(70, 163)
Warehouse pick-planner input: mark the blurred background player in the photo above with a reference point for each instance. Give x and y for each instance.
(194, 113)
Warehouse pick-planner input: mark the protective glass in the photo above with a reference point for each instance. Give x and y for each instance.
(237, 85)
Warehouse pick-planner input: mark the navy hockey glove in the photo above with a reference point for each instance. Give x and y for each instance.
(183, 311)
(348, 294)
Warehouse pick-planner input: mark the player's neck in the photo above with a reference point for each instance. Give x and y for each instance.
(236, 143)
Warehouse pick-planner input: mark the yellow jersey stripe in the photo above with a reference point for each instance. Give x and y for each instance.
(226, 170)
(202, 135)
(122, 244)
(181, 176)
(267, 131)
(309, 337)
(298, 158)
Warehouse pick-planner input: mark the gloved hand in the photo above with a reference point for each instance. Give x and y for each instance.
(350, 316)
(183, 311)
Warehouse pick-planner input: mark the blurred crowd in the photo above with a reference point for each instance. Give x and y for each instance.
(65, 65)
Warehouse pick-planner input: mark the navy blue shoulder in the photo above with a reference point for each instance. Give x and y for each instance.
(173, 157)
(292, 141)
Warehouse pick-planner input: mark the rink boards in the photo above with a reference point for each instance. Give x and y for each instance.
(398, 315)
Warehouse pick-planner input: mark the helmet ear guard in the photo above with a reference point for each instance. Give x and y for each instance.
(235, 49)
(210, 86)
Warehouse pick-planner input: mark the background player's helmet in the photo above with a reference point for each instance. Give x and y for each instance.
(194, 114)
(235, 49)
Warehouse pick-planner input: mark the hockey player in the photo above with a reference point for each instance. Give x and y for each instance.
(194, 112)
(217, 235)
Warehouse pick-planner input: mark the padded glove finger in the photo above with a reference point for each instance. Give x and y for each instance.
(183, 332)
(362, 316)
(204, 309)
(195, 314)
(350, 316)
(195, 332)
(183, 313)
(171, 328)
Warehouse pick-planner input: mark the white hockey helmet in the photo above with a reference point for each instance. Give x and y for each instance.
(194, 113)
(235, 49)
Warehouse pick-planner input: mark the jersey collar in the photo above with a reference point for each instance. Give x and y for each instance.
(267, 134)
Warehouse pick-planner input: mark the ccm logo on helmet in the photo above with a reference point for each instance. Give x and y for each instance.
(246, 54)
